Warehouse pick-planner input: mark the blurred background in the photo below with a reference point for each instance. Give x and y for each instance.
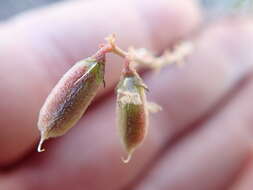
(213, 8)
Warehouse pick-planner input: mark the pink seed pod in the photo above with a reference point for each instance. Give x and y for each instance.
(132, 113)
(70, 98)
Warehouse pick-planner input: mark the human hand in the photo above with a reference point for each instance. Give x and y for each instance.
(201, 139)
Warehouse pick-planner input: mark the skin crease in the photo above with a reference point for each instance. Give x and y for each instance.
(215, 154)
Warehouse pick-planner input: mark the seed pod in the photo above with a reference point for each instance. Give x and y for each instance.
(70, 98)
(132, 110)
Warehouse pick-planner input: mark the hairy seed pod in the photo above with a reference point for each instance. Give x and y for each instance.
(70, 98)
(132, 110)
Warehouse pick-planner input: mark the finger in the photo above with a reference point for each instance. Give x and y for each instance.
(38, 47)
(219, 62)
(211, 157)
(97, 145)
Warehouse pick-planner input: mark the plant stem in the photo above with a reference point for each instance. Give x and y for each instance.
(114, 48)
(118, 51)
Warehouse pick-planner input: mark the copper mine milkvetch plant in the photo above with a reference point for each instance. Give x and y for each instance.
(72, 95)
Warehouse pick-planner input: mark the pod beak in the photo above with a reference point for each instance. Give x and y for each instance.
(128, 158)
(42, 139)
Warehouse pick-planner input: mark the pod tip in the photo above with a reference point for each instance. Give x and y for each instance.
(40, 149)
(128, 158)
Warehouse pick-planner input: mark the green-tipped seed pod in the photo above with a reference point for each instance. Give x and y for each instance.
(132, 110)
(70, 98)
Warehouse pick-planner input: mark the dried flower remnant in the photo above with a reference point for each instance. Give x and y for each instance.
(143, 57)
(132, 110)
(71, 96)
